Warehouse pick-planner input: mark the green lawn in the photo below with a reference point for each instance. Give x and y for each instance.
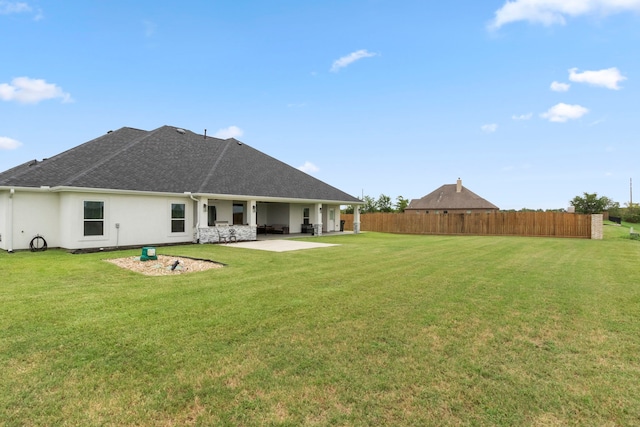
(381, 330)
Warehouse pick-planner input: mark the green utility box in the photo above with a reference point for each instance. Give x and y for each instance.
(148, 253)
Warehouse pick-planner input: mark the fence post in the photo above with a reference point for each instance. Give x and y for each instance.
(596, 226)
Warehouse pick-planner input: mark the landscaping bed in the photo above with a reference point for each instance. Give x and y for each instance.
(164, 265)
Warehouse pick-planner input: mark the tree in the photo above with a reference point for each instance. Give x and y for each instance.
(631, 213)
(384, 204)
(348, 209)
(401, 204)
(614, 209)
(590, 203)
(369, 205)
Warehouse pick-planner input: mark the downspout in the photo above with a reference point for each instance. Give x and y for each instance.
(10, 222)
(197, 215)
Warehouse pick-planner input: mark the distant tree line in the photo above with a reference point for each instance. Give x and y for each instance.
(382, 204)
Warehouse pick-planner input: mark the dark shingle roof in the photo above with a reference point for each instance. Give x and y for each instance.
(168, 160)
(446, 197)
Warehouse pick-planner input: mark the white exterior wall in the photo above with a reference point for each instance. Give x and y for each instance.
(262, 214)
(224, 210)
(279, 214)
(296, 217)
(34, 213)
(4, 218)
(327, 224)
(143, 220)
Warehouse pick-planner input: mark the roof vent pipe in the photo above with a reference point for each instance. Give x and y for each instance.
(205, 134)
(459, 186)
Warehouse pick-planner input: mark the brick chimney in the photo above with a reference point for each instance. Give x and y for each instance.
(459, 186)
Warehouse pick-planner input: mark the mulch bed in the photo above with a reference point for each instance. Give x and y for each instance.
(163, 265)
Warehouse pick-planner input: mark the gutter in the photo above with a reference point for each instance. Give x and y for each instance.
(10, 222)
(188, 193)
(62, 188)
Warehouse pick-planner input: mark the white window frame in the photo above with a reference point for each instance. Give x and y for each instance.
(94, 220)
(172, 218)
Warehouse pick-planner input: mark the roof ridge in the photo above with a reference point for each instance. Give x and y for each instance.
(447, 197)
(206, 180)
(107, 158)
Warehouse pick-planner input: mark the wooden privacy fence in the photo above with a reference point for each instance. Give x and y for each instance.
(536, 224)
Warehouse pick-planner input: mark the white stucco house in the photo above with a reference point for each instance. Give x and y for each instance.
(132, 187)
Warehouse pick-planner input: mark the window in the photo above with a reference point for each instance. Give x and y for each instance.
(93, 218)
(305, 216)
(212, 216)
(177, 218)
(238, 214)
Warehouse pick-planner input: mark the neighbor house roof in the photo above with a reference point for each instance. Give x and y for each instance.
(172, 160)
(451, 197)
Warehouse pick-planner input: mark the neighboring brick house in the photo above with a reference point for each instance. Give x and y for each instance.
(450, 199)
(134, 187)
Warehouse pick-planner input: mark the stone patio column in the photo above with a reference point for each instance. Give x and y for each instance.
(252, 208)
(317, 223)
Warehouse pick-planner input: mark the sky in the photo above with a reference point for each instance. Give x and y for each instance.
(529, 102)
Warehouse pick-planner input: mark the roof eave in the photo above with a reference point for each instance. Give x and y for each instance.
(61, 189)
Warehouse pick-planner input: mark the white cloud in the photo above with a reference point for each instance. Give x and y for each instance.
(350, 59)
(522, 116)
(561, 112)
(31, 91)
(608, 78)
(309, 167)
(560, 87)
(11, 7)
(230, 132)
(8, 143)
(489, 128)
(550, 12)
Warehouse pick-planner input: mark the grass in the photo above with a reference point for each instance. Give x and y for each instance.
(381, 330)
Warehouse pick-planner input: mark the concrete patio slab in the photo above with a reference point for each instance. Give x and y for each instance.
(279, 245)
